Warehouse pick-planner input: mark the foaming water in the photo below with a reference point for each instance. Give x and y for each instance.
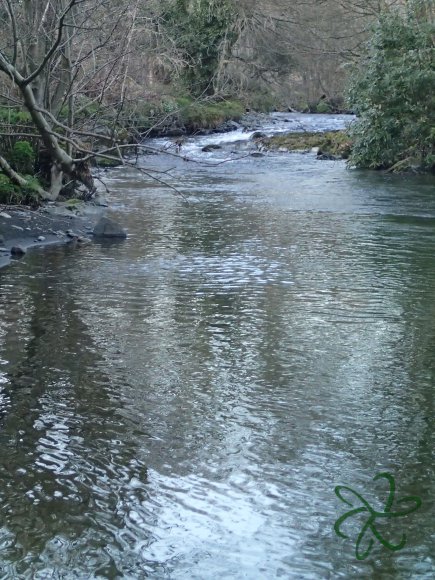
(183, 404)
(272, 124)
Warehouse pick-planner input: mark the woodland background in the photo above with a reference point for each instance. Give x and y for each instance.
(84, 79)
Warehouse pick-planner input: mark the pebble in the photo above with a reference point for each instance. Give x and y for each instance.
(5, 215)
(41, 238)
(17, 228)
(18, 251)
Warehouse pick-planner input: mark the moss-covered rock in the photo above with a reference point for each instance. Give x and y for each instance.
(333, 144)
(209, 115)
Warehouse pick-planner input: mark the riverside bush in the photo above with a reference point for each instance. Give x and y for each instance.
(14, 116)
(393, 93)
(14, 194)
(22, 157)
(201, 31)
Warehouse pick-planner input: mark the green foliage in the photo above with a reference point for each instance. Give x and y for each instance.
(393, 92)
(141, 115)
(262, 102)
(14, 116)
(184, 101)
(183, 111)
(22, 157)
(86, 108)
(13, 194)
(323, 107)
(200, 30)
(5, 188)
(196, 115)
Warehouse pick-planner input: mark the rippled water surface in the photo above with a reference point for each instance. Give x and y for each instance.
(182, 404)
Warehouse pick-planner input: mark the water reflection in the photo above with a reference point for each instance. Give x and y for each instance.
(254, 348)
(67, 467)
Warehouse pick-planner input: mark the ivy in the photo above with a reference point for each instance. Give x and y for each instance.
(200, 30)
(22, 157)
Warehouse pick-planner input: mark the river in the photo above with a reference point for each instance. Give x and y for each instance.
(183, 404)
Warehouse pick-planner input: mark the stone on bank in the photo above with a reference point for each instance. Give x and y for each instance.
(108, 228)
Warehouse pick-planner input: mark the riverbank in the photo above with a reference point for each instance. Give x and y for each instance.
(328, 145)
(23, 228)
(73, 221)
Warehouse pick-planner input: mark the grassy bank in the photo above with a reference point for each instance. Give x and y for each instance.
(333, 144)
(184, 113)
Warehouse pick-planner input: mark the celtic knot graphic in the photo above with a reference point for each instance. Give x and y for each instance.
(370, 524)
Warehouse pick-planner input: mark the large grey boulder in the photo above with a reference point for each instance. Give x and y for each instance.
(108, 228)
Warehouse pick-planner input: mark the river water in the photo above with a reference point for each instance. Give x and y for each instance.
(183, 404)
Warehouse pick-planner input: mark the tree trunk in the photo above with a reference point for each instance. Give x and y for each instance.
(18, 180)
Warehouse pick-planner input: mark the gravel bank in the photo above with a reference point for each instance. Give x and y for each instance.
(22, 228)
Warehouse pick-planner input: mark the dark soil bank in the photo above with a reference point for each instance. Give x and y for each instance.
(23, 228)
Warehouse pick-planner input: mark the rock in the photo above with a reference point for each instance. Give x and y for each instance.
(257, 154)
(242, 145)
(2, 240)
(258, 135)
(71, 234)
(100, 201)
(83, 241)
(5, 215)
(41, 238)
(227, 126)
(17, 227)
(210, 147)
(283, 149)
(108, 228)
(327, 156)
(18, 251)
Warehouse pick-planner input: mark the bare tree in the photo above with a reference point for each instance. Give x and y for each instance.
(52, 52)
(291, 47)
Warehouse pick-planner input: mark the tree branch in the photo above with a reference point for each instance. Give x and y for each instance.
(54, 46)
